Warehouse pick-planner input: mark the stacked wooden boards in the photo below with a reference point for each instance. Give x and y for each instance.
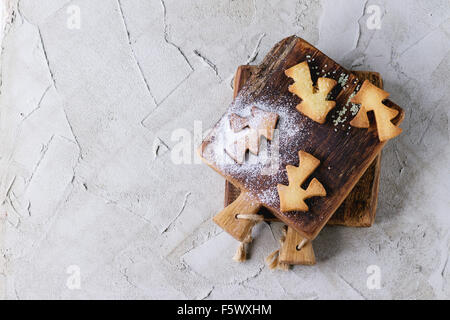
(347, 154)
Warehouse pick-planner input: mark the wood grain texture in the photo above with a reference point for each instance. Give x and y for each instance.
(359, 208)
(344, 154)
(227, 218)
(290, 254)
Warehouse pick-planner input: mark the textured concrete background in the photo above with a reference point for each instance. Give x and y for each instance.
(89, 114)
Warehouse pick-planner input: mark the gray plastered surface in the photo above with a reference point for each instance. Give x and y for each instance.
(90, 121)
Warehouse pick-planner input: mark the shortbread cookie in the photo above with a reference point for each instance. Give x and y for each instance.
(371, 98)
(260, 123)
(315, 104)
(293, 195)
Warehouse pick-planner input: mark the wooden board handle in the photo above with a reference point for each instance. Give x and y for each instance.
(290, 253)
(230, 218)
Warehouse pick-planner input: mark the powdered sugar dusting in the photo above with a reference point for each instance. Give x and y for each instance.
(260, 173)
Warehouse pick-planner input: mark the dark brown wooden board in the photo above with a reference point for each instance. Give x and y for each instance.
(344, 154)
(359, 208)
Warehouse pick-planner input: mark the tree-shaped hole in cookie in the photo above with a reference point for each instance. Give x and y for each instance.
(293, 195)
(314, 102)
(371, 98)
(260, 123)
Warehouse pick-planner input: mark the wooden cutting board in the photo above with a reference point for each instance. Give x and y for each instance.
(345, 152)
(358, 209)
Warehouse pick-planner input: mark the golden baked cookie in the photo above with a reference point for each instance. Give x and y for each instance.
(314, 102)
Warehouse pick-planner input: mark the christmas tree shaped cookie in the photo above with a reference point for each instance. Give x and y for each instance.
(260, 123)
(315, 104)
(371, 98)
(292, 196)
